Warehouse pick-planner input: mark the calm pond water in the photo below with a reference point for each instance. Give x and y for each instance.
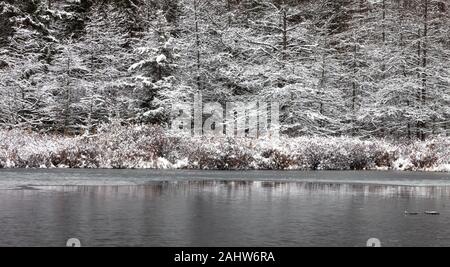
(207, 208)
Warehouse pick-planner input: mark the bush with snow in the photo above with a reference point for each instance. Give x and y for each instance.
(142, 146)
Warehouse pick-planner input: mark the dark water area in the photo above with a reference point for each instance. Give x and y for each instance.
(198, 208)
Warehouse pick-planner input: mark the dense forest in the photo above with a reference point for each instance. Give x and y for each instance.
(366, 68)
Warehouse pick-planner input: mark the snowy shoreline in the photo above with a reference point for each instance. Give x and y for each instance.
(149, 147)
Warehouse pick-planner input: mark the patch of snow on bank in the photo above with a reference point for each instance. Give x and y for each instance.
(150, 147)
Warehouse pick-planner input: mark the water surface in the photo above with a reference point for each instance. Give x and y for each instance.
(198, 208)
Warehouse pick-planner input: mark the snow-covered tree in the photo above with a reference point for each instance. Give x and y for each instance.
(337, 67)
(153, 73)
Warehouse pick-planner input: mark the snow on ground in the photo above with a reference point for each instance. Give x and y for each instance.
(147, 147)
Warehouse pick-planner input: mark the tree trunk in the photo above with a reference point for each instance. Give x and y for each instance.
(424, 64)
(418, 94)
(403, 46)
(68, 99)
(285, 34)
(383, 66)
(355, 71)
(197, 40)
(229, 12)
